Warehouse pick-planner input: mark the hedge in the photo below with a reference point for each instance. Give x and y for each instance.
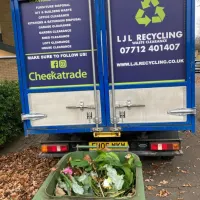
(10, 112)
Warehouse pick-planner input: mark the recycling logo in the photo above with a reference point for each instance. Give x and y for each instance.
(143, 19)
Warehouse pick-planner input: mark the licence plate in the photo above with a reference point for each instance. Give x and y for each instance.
(102, 145)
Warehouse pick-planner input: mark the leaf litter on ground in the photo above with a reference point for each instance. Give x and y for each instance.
(150, 188)
(164, 182)
(163, 193)
(22, 173)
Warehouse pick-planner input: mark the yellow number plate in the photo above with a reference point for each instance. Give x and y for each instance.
(102, 145)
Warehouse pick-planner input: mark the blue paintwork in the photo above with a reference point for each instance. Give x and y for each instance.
(18, 53)
(193, 102)
(105, 60)
(189, 83)
(104, 87)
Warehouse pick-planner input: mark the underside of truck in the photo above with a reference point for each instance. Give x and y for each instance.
(159, 144)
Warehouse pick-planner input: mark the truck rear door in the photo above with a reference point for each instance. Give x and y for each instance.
(60, 65)
(150, 64)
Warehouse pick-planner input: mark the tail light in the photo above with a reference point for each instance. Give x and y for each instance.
(54, 148)
(171, 146)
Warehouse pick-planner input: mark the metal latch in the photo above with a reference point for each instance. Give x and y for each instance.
(128, 105)
(81, 106)
(182, 111)
(122, 115)
(33, 116)
(89, 116)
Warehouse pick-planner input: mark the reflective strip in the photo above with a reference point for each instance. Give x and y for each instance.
(58, 149)
(159, 146)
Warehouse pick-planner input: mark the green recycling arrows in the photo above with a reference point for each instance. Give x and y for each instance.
(145, 20)
(155, 2)
(160, 12)
(146, 4)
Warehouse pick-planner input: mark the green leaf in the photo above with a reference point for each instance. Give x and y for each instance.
(128, 175)
(62, 185)
(131, 160)
(117, 180)
(107, 155)
(67, 183)
(85, 179)
(79, 163)
(88, 169)
(107, 158)
(77, 189)
(113, 156)
(138, 163)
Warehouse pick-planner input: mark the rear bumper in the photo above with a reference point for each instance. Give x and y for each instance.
(139, 153)
(159, 153)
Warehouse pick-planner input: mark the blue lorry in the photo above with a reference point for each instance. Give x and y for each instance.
(106, 73)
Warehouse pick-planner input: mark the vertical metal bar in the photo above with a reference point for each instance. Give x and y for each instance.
(93, 67)
(112, 67)
(193, 63)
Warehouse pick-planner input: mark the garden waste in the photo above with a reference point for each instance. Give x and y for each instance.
(103, 176)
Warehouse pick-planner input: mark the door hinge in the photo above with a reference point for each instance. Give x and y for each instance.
(182, 111)
(33, 116)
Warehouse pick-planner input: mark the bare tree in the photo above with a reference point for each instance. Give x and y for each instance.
(197, 24)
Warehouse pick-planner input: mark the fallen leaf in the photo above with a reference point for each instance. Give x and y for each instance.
(106, 149)
(187, 147)
(149, 180)
(164, 182)
(87, 158)
(53, 169)
(163, 193)
(150, 188)
(155, 166)
(187, 185)
(183, 171)
(59, 192)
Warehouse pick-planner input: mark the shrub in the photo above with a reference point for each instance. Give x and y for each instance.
(10, 112)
